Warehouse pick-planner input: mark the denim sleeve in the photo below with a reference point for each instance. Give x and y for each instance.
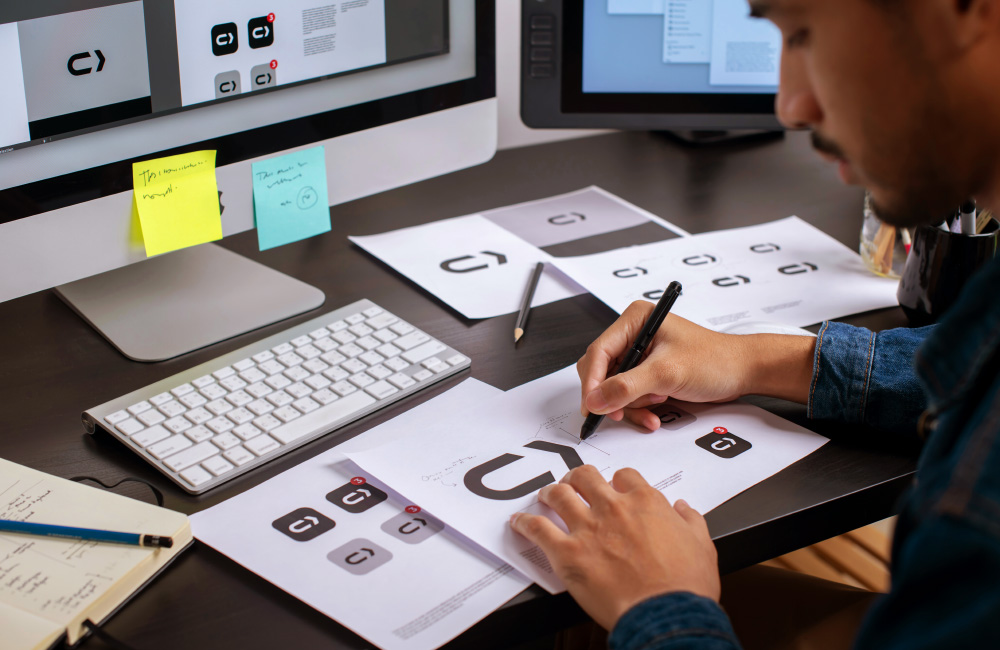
(677, 621)
(860, 377)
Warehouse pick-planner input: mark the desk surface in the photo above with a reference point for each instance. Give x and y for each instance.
(55, 366)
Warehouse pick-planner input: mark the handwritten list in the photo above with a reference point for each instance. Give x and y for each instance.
(290, 198)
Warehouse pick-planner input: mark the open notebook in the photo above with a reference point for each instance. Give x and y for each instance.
(49, 586)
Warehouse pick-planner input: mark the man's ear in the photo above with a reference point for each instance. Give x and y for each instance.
(952, 27)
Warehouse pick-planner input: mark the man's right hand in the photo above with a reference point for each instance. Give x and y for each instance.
(689, 363)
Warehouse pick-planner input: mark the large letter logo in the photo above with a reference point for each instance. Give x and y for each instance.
(78, 71)
(567, 219)
(452, 265)
(795, 269)
(303, 524)
(474, 477)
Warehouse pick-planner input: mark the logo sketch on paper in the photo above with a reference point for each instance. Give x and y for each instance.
(454, 265)
(765, 248)
(630, 273)
(699, 260)
(795, 269)
(567, 219)
(474, 477)
(731, 281)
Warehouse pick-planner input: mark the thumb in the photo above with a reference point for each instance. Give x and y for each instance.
(621, 390)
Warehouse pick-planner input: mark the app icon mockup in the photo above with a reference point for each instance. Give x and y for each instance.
(224, 39)
(359, 556)
(723, 444)
(260, 32)
(227, 84)
(412, 528)
(303, 524)
(263, 76)
(356, 496)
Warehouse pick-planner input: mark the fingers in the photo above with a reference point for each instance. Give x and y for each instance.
(622, 390)
(566, 503)
(628, 479)
(538, 530)
(644, 418)
(595, 365)
(589, 483)
(692, 517)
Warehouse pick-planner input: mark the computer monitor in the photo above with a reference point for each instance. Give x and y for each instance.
(395, 90)
(679, 65)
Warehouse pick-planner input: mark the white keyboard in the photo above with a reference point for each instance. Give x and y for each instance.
(209, 424)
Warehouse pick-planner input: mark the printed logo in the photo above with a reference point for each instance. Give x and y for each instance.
(261, 32)
(227, 83)
(765, 248)
(629, 273)
(723, 444)
(734, 281)
(412, 528)
(699, 260)
(83, 63)
(224, 39)
(673, 418)
(263, 76)
(357, 497)
(359, 556)
(567, 219)
(795, 269)
(458, 265)
(303, 524)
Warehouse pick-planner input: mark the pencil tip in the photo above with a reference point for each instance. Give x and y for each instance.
(518, 333)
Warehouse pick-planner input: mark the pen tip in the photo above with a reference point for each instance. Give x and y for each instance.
(518, 333)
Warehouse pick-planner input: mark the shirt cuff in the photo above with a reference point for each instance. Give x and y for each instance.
(677, 620)
(841, 370)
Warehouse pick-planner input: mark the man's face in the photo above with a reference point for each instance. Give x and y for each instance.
(884, 101)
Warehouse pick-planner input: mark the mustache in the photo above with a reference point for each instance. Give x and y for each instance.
(826, 146)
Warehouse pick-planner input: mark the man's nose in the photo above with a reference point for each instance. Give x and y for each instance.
(796, 104)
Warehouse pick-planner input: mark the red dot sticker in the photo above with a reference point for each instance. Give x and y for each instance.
(720, 430)
(270, 18)
(274, 64)
(413, 509)
(358, 480)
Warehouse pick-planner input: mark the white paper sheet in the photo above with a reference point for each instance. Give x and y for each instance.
(480, 266)
(785, 272)
(378, 570)
(476, 471)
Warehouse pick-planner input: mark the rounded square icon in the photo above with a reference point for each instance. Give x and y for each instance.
(303, 524)
(225, 39)
(227, 83)
(356, 497)
(260, 32)
(413, 528)
(359, 556)
(263, 76)
(672, 417)
(723, 444)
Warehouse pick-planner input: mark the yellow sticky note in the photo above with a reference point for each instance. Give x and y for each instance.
(177, 200)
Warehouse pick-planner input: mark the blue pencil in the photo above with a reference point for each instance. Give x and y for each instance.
(87, 534)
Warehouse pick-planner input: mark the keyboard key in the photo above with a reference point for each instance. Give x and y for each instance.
(426, 350)
(225, 441)
(238, 456)
(172, 407)
(381, 389)
(372, 358)
(379, 371)
(261, 357)
(267, 422)
(198, 415)
(271, 367)
(220, 424)
(381, 321)
(333, 358)
(259, 390)
(281, 349)
(150, 436)
(336, 374)
(161, 399)
(372, 311)
(343, 337)
(200, 433)
(315, 365)
(326, 344)
(361, 380)
(191, 456)
(320, 420)
(337, 326)
(305, 405)
(354, 319)
(350, 350)
(402, 328)
(396, 364)
(308, 352)
(240, 415)
(388, 351)
(243, 365)
(218, 465)
(262, 445)
(429, 363)
(239, 398)
(116, 417)
(290, 359)
(299, 341)
(182, 390)
(423, 375)
(343, 388)
(260, 407)
(439, 367)
(203, 381)
(360, 330)
(280, 398)
(399, 380)
(193, 400)
(130, 426)
(298, 390)
(213, 391)
(142, 406)
(278, 382)
(252, 376)
(368, 342)
(321, 333)
(354, 365)
(178, 424)
(151, 417)
(317, 381)
(171, 445)
(324, 396)
(223, 373)
(385, 335)
(196, 476)
(232, 383)
(411, 340)
(286, 414)
(219, 406)
(298, 373)
(247, 431)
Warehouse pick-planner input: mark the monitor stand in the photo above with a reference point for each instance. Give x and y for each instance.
(172, 304)
(707, 138)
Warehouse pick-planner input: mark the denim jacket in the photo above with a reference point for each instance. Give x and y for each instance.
(940, 383)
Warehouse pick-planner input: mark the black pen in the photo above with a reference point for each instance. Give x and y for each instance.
(642, 341)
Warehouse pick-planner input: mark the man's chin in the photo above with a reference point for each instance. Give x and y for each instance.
(905, 214)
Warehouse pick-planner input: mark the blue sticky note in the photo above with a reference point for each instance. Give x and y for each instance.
(290, 198)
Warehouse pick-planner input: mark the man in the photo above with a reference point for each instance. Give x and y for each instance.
(903, 96)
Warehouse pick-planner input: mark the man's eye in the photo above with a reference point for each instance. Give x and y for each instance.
(798, 38)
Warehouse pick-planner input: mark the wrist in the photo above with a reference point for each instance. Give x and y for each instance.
(778, 365)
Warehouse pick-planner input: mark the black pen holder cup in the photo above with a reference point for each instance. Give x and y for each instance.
(938, 267)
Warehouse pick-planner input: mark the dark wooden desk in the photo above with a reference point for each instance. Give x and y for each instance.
(54, 366)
